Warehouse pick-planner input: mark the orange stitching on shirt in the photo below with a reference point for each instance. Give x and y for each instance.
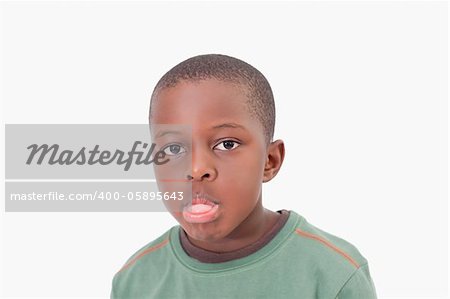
(308, 235)
(148, 250)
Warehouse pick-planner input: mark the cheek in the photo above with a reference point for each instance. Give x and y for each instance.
(174, 168)
(243, 176)
(175, 195)
(250, 166)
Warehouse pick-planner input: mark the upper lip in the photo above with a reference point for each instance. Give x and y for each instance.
(201, 195)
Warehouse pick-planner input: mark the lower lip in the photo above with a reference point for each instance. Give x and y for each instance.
(204, 217)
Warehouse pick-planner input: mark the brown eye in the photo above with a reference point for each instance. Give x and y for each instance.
(227, 145)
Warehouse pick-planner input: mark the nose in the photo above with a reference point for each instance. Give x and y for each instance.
(203, 168)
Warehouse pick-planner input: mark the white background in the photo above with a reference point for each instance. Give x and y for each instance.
(361, 96)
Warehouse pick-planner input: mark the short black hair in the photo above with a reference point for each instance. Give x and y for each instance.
(228, 69)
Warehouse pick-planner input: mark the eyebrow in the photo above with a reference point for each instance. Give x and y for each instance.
(229, 125)
(162, 133)
(221, 126)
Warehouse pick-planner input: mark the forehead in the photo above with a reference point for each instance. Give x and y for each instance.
(203, 103)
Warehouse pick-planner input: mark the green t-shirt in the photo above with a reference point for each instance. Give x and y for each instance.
(301, 261)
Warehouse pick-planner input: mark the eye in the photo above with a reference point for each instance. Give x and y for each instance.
(173, 149)
(227, 145)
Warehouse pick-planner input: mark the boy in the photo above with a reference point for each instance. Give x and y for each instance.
(227, 244)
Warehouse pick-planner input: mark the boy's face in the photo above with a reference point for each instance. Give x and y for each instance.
(228, 152)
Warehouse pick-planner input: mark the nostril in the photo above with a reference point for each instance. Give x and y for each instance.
(204, 176)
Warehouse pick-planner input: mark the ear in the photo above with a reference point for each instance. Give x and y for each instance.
(274, 159)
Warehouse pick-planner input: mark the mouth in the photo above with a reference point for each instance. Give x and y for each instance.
(202, 209)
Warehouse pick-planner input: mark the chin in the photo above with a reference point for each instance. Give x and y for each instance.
(203, 232)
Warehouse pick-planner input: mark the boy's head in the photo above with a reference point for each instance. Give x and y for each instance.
(230, 109)
(251, 82)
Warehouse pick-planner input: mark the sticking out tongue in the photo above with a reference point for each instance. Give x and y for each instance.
(200, 208)
(201, 211)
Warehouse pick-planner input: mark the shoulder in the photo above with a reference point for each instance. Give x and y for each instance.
(328, 246)
(338, 264)
(132, 278)
(145, 259)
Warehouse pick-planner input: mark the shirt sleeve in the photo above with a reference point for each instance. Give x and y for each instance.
(359, 285)
(113, 294)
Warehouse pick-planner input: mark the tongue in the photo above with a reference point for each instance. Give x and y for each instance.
(200, 208)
